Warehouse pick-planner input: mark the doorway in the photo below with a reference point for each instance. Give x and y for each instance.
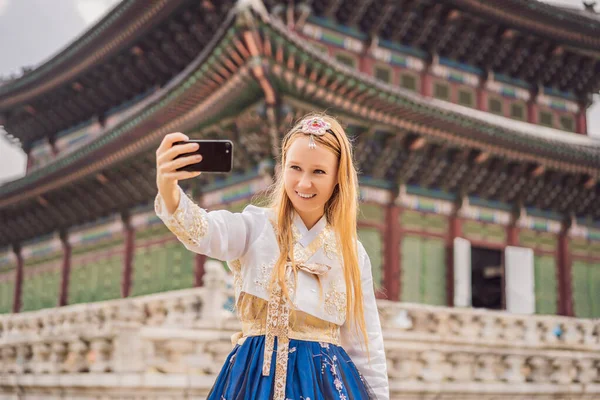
(487, 278)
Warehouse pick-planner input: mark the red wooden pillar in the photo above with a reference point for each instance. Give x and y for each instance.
(426, 83)
(454, 231)
(392, 272)
(512, 234)
(63, 299)
(565, 282)
(365, 63)
(17, 297)
(581, 123)
(532, 111)
(482, 97)
(128, 258)
(199, 261)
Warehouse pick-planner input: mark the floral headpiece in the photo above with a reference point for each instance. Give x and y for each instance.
(314, 126)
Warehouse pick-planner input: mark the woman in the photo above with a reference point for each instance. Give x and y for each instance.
(303, 282)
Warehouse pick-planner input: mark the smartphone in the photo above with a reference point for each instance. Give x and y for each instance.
(217, 156)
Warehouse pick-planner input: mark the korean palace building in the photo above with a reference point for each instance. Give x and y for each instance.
(479, 185)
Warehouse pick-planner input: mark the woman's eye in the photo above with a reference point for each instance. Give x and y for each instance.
(319, 171)
(297, 168)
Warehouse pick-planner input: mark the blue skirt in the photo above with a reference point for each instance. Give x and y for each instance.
(316, 371)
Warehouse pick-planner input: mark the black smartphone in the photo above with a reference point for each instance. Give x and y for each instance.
(217, 156)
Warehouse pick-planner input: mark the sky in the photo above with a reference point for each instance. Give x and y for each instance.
(32, 31)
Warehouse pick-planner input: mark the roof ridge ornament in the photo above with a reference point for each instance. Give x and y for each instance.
(589, 5)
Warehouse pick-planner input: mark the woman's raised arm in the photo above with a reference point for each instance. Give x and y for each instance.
(218, 234)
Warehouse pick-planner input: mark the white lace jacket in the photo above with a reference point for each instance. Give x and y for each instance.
(247, 242)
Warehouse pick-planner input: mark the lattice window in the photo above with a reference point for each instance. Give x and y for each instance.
(423, 270)
(321, 48)
(517, 111)
(373, 243)
(346, 60)
(545, 118)
(441, 91)
(495, 106)
(408, 81)
(465, 98)
(567, 123)
(383, 74)
(546, 286)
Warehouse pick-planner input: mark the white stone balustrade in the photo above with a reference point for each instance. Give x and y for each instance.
(172, 345)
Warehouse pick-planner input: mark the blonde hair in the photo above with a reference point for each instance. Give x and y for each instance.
(340, 210)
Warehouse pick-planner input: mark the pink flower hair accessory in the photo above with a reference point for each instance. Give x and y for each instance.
(314, 126)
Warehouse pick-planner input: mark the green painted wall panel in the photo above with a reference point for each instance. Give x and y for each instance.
(371, 212)
(546, 286)
(163, 267)
(425, 222)
(411, 249)
(423, 270)
(7, 287)
(581, 290)
(594, 274)
(434, 275)
(97, 280)
(373, 243)
(40, 290)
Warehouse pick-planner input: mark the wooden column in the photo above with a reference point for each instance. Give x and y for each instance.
(564, 272)
(455, 230)
(482, 94)
(581, 122)
(63, 299)
(17, 298)
(128, 258)
(426, 83)
(392, 272)
(512, 234)
(199, 261)
(481, 98)
(365, 63)
(532, 111)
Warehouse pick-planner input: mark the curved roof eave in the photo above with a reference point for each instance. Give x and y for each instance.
(162, 108)
(454, 121)
(564, 26)
(95, 44)
(427, 116)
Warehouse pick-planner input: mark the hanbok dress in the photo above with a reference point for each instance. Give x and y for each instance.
(301, 349)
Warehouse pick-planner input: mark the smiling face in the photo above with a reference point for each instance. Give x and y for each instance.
(310, 177)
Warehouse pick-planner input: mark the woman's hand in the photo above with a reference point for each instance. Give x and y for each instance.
(167, 175)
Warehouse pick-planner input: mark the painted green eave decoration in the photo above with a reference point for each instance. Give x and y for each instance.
(584, 155)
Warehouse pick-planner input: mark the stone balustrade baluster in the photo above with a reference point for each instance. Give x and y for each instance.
(540, 368)
(186, 334)
(514, 366)
(462, 366)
